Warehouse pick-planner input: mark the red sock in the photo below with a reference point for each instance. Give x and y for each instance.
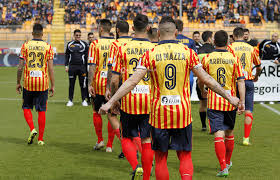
(137, 142)
(248, 127)
(186, 165)
(97, 121)
(161, 165)
(229, 142)
(28, 118)
(130, 152)
(117, 133)
(220, 151)
(42, 123)
(111, 135)
(147, 160)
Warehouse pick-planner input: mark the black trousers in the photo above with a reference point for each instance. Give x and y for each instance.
(81, 72)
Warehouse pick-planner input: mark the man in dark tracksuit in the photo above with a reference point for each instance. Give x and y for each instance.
(270, 49)
(75, 64)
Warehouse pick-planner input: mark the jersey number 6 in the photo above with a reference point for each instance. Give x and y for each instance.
(221, 78)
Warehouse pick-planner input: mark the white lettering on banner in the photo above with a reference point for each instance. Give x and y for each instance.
(103, 74)
(141, 89)
(227, 91)
(170, 100)
(35, 74)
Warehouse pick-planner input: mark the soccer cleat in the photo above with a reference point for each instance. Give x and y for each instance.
(99, 146)
(109, 149)
(246, 141)
(41, 143)
(229, 165)
(32, 135)
(70, 103)
(121, 155)
(137, 173)
(223, 173)
(84, 103)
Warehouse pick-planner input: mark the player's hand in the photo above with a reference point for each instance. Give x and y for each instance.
(276, 61)
(256, 78)
(105, 108)
(107, 94)
(66, 68)
(91, 91)
(204, 93)
(234, 101)
(51, 91)
(116, 108)
(241, 108)
(18, 88)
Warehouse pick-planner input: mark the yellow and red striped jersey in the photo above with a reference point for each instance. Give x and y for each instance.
(114, 47)
(170, 64)
(98, 56)
(36, 53)
(138, 100)
(248, 56)
(225, 68)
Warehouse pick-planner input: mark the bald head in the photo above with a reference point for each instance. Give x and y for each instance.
(167, 27)
(274, 37)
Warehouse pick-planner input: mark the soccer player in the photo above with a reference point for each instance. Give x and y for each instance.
(97, 61)
(226, 69)
(135, 107)
(152, 34)
(170, 64)
(248, 56)
(206, 48)
(36, 60)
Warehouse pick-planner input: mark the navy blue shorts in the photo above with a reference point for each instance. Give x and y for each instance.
(175, 139)
(37, 98)
(249, 95)
(133, 124)
(221, 120)
(97, 101)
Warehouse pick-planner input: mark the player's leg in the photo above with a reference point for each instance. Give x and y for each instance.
(186, 165)
(82, 81)
(41, 108)
(147, 152)
(230, 117)
(115, 123)
(249, 103)
(161, 165)
(202, 108)
(27, 106)
(97, 120)
(72, 80)
(111, 134)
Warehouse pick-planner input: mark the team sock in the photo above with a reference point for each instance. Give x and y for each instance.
(111, 135)
(186, 165)
(97, 121)
(248, 127)
(147, 160)
(203, 118)
(28, 118)
(42, 123)
(130, 152)
(117, 133)
(161, 165)
(220, 150)
(137, 142)
(229, 142)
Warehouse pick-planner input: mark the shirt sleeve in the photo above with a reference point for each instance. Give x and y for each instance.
(91, 54)
(117, 64)
(50, 54)
(256, 59)
(204, 66)
(22, 55)
(238, 70)
(194, 60)
(67, 55)
(111, 54)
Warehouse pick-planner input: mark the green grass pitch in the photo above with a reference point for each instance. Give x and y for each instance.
(69, 138)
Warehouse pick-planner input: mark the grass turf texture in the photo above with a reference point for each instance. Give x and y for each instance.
(69, 137)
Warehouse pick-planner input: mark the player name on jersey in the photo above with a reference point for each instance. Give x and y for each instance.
(136, 51)
(221, 61)
(170, 56)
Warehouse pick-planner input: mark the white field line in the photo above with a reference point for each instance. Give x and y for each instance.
(270, 108)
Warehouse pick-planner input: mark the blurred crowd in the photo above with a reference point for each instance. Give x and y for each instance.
(15, 12)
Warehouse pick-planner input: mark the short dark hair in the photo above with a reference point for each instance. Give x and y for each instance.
(105, 24)
(152, 33)
(196, 32)
(246, 30)
(221, 38)
(206, 35)
(140, 22)
(77, 31)
(231, 36)
(37, 28)
(167, 19)
(238, 32)
(90, 33)
(123, 26)
(179, 25)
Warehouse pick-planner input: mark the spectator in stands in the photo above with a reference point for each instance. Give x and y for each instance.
(270, 49)
(196, 38)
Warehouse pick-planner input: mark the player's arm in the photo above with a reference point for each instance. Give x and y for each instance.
(125, 88)
(19, 74)
(257, 63)
(241, 90)
(51, 74)
(91, 72)
(67, 56)
(206, 79)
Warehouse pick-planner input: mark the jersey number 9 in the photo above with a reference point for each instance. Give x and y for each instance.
(170, 75)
